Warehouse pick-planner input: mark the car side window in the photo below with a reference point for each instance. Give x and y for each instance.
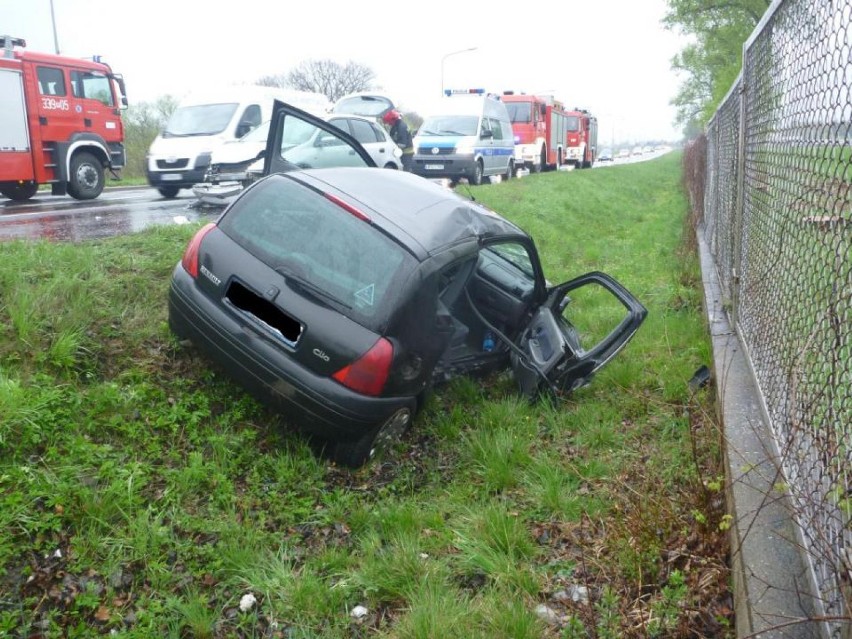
(515, 254)
(380, 134)
(484, 127)
(251, 115)
(363, 132)
(91, 85)
(51, 81)
(496, 127)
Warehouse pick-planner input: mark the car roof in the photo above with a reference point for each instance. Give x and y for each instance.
(422, 215)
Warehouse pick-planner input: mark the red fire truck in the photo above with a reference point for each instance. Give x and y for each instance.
(60, 123)
(547, 135)
(582, 141)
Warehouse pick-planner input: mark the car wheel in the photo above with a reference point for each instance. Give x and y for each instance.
(510, 171)
(19, 192)
(86, 178)
(476, 178)
(360, 451)
(391, 165)
(168, 191)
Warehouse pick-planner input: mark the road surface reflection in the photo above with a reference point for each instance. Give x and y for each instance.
(66, 220)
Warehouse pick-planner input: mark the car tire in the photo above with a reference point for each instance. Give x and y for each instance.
(86, 177)
(356, 453)
(391, 165)
(476, 178)
(510, 171)
(19, 192)
(168, 191)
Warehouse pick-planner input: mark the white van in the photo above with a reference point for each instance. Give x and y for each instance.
(180, 155)
(468, 136)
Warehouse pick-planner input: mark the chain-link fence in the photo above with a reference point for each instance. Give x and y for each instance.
(778, 219)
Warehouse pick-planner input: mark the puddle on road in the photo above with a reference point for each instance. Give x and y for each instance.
(92, 222)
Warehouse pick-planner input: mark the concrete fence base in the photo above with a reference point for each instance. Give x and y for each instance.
(772, 584)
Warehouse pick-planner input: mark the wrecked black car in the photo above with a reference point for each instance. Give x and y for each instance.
(341, 295)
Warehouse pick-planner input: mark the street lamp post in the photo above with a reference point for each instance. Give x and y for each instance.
(53, 20)
(444, 59)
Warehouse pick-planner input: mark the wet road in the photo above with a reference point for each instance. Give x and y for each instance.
(115, 212)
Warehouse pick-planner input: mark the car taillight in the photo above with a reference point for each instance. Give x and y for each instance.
(368, 373)
(190, 255)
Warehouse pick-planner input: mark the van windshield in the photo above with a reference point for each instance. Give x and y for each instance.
(450, 125)
(200, 119)
(519, 111)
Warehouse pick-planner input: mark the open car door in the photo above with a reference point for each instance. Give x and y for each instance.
(299, 140)
(570, 338)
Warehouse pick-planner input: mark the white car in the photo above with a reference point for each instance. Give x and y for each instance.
(236, 164)
(372, 136)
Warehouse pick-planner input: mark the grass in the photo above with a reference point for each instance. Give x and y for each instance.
(142, 493)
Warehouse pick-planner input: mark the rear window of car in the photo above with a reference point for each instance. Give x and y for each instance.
(297, 231)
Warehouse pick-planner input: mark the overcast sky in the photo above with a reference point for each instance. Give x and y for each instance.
(612, 57)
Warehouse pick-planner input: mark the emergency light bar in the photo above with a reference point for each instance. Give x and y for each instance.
(449, 92)
(7, 43)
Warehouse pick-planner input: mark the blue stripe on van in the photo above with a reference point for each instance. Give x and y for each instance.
(495, 150)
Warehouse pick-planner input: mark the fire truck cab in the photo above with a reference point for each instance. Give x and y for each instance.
(60, 123)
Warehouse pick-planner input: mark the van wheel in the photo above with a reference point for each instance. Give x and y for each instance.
(86, 179)
(476, 178)
(18, 191)
(168, 191)
(510, 171)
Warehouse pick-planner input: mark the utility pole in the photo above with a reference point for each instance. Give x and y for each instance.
(53, 20)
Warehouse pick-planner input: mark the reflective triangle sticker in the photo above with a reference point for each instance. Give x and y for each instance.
(367, 294)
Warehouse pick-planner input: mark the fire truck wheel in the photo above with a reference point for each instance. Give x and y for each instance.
(86, 179)
(19, 192)
(476, 178)
(542, 162)
(169, 191)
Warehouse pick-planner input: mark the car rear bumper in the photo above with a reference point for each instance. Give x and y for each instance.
(315, 404)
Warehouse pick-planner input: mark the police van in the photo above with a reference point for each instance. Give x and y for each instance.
(469, 135)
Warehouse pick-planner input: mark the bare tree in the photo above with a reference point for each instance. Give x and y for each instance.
(324, 76)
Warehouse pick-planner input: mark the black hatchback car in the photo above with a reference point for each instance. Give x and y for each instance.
(341, 295)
